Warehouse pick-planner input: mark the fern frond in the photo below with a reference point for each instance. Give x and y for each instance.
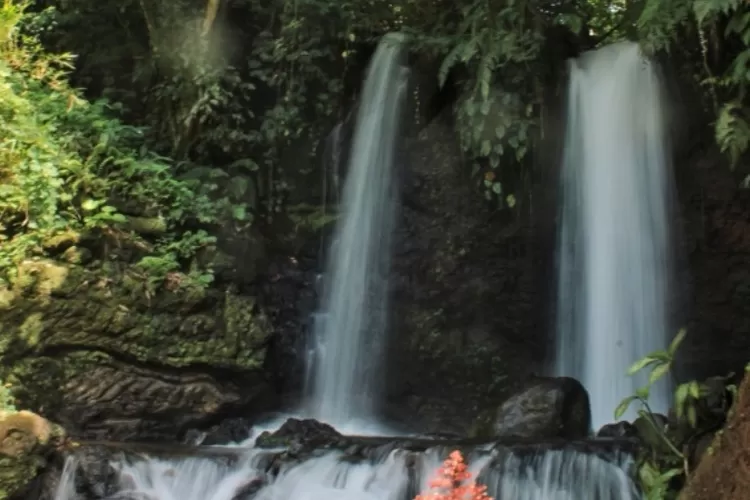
(733, 131)
(448, 62)
(708, 9)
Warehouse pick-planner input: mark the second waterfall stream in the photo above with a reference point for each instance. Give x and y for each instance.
(614, 243)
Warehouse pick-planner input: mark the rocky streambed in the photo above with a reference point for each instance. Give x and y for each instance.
(314, 456)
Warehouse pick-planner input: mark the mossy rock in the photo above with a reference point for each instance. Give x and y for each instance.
(26, 440)
(190, 352)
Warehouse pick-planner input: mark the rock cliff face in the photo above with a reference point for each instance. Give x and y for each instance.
(467, 327)
(86, 347)
(716, 234)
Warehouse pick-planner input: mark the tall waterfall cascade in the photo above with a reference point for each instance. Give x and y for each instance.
(614, 242)
(350, 325)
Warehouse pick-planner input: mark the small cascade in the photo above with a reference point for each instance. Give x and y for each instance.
(66, 489)
(614, 244)
(380, 473)
(349, 327)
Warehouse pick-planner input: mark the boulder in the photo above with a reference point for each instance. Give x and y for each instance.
(26, 442)
(621, 429)
(297, 434)
(547, 408)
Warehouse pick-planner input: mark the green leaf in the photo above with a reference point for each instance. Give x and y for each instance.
(641, 364)
(90, 204)
(694, 389)
(239, 212)
(667, 476)
(680, 396)
(648, 475)
(658, 372)
(246, 164)
(692, 415)
(497, 188)
(486, 107)
(642, 392)
(500, 131)
(676, 341)
(623, 406)
(238, 186)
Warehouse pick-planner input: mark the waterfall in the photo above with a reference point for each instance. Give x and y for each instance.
(349, 327)
(614, 254)
(382, 474)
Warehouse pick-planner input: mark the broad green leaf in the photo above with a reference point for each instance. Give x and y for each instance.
(641, 364)
(658, 372)
(623, 407)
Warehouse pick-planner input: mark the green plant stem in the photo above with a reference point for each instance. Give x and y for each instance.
(659, 431)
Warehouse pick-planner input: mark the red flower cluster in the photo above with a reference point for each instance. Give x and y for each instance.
(452, 482)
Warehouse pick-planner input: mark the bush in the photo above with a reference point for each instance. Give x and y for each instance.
(69, 165)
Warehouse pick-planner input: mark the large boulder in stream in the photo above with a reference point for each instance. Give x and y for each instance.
(547, 408)
(88, 347)
(296, 434)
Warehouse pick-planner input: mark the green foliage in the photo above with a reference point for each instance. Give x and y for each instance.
(7, 400)
(656, 472)
(497, 114)
(663, 465)
(70, 165)
(663, 24)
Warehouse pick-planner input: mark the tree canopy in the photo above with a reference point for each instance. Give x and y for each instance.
(185, 108)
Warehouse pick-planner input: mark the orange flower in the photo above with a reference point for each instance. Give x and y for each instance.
(452, 482)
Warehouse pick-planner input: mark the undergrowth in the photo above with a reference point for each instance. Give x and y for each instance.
(69, 166)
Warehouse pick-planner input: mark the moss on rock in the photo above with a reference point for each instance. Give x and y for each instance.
(65, 326)
(25, 441)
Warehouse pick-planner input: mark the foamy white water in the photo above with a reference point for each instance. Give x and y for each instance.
(614, 253)
(394, 475)
(349, 328)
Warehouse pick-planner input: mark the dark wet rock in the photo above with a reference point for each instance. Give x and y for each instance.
(621, 429)
(548, 408)
(468, 319)
(296, 433)
(231, 430)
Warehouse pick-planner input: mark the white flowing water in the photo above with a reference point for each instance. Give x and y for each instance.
(614, 255)
(385, 475)
(349, 328)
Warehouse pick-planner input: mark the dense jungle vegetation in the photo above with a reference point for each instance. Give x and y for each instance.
(160, 131)
(156, 123)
